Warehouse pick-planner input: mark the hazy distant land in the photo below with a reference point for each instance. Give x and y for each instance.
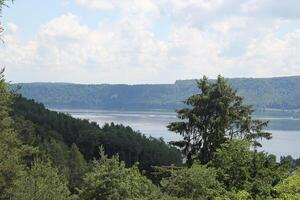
(263, 93)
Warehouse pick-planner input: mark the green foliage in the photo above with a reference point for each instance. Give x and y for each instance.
(197, 182)
(295, 163)
(260, 92)
(137, 147)
(41, 181)
(241, 169)
(77, 168)
(235, 172)
(289, 189)
(233, 160)
(239, 195)
(10, 161)
(157, 173)
(51, 127)
(57, 152)
(10, 145)
(26, 131)
(110, 179)
(265, 174)
(212, 117)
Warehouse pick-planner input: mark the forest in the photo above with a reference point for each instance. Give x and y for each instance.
(50, 155)
(263, 93)
(54, 130)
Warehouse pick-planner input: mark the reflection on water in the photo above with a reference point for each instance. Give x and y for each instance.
(286, 131)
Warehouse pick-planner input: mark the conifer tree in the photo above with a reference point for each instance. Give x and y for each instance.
(111, 180)
(41, 181)
(10, 145)
(77, 168)
(212, 117)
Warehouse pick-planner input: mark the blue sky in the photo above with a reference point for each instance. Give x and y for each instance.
(29, 15)
(149, 41)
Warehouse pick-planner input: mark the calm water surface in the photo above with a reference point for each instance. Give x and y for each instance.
(153, 123)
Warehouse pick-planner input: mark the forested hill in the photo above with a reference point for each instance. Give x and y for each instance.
(55, 132)
(279, 93)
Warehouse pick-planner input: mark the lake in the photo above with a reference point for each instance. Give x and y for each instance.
(285, 129)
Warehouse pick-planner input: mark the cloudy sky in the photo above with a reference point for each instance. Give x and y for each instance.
(149, 41)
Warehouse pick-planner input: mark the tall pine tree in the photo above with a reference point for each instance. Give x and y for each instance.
(41, 181)
(10, 145)
(77, 168)
(212, 117)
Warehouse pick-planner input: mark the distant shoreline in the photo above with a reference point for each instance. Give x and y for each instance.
(257, 110)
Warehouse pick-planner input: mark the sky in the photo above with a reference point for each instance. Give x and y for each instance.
(149, 41)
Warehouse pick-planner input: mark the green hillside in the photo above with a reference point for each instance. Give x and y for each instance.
(50, 155)
(58, 131)
(277, 93)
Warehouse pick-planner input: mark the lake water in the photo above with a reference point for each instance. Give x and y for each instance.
(153, 123)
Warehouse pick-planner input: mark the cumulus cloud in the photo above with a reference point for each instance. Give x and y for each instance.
(211, 37)
(97, 4)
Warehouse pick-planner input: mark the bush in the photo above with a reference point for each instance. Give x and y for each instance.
(197, 182)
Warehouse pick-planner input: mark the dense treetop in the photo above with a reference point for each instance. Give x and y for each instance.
(56, 130)
(50, 155)
(213, 116)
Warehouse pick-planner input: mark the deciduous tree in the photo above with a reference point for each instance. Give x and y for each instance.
(111, 180)
(289, 189)
(197, 182)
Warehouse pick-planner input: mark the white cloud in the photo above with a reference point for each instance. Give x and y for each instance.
(211, 37)
(66, 26)
(97, 4)
(127, 6)
(14, 52)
